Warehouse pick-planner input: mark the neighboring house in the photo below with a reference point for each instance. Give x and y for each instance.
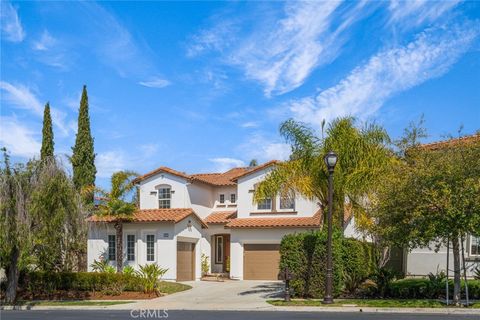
(184, 216)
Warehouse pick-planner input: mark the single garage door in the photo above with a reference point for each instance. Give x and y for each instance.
(185, 261)
(260, 261)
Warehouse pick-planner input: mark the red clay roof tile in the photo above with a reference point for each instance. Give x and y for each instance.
(154, 215)
(220, 217)
(266, 223)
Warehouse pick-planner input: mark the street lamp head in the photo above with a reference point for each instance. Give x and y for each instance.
(330, 160)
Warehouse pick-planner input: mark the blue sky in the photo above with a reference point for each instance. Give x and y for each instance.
(203, 86)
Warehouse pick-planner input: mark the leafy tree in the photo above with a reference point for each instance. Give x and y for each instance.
(83, 157)
(362, 157)
(47, 134)
(37, 203)
(115, 205)
(431, 196)
(253, 163)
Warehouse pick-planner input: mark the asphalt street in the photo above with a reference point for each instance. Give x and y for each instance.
(211, 315)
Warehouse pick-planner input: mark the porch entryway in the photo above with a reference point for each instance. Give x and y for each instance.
(220, 257)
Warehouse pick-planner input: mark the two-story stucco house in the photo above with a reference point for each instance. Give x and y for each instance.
(184, 216)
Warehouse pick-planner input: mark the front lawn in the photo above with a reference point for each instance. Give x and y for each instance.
(166, 287)
(375, 303)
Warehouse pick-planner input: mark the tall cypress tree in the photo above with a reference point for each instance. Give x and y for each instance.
(83, 157)
(47, 134)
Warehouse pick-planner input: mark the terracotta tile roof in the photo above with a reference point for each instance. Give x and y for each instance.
(162, 169)
(256, 168)
(220, 217)
(267, 223)
(155, 215)
(451, 142)
(220, 179)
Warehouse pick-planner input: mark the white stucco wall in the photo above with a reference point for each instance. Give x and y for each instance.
(149, 199)
(303, 207)
(166, 235)
(422, 261)
(239, 237)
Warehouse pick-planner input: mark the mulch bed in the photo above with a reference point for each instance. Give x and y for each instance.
(86, 295)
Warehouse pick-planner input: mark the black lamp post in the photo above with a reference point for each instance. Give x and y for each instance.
(330, 161)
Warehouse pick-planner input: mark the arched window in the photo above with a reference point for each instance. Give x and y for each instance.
(164, 196)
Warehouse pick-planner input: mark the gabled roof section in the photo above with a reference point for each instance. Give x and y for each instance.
(155, 215)
(272, 223)
(220, 217)
(220, 179)
(451, 142)
(256, 168)
(159, 170)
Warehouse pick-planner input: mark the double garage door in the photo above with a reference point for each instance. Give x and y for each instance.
(260, 261)
(185, 261)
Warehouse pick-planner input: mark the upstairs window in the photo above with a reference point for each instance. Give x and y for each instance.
(164, 197)
(222, 198)
(233, 198)
(287, 202)
(111, 247)
(474, 246)
(265, 204)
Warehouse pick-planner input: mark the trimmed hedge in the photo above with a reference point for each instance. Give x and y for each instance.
(305, 255)
(47, 282)
(421, 288)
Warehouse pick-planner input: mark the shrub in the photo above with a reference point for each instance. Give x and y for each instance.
(150, 275)
(305, 255)
(128, 270)
(421, 288)
(48, 282)
(102, 266)
(205, 264)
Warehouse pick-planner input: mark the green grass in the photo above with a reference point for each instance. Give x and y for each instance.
(376, 303)
(172, 287)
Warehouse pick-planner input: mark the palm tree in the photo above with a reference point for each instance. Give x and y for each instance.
(363, 155)
(114, 205)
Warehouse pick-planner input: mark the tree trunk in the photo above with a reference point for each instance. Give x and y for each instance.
(119, 240)
(456, 270)
(12, 276)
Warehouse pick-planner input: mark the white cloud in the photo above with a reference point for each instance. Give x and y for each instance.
(18, 139)
(250, 124)
(415, 12)
(155, 83)
(45, 42)
(11, 25)
(387, 73)
(148, 149)
(109, 162)
(22, 97)
(282, 54)
(225, 164)
(259, 147)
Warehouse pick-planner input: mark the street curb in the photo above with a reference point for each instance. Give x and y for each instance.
(383, 310)
(272, 308)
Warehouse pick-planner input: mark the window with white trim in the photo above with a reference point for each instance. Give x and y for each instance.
(130, 247)
(265, 204)
(150, 239)
(474, 246)
(287, 202)
(164, 197)
(111, 247)
(222, 198)
(233, 198)
(219, 249)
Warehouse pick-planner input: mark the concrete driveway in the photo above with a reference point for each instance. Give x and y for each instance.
(209, 295)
